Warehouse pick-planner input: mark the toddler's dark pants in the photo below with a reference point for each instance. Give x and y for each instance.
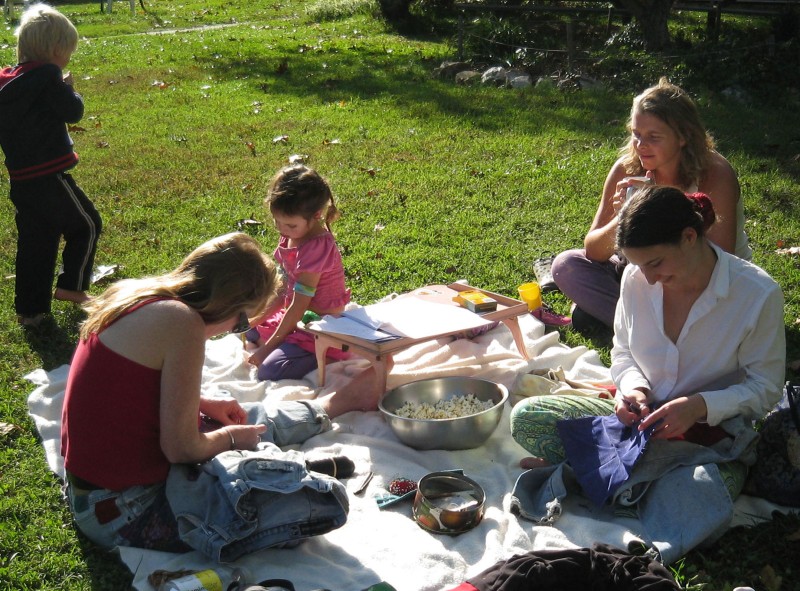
(48, 208)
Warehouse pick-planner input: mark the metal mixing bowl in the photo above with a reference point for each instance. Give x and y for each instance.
(459, 433)
(448, 503)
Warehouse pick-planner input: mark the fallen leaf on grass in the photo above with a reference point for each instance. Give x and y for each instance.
(160, 84)
(7, 428)
(75, 128)
(330, 142)
(298, 158)
(790, 250)
(281, 139)
(102, 144)
(251, 146)
(282, 68)
(242, 224)
(369, 171)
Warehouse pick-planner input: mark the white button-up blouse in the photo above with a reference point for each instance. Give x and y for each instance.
(731, 350)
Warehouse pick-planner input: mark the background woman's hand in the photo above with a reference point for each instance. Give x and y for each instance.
(675, 417)
(618, 199)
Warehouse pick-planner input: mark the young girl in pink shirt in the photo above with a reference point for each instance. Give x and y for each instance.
(302, 207)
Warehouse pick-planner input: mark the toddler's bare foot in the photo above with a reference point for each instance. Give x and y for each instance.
(30, 321)
(533, 462)
(69, 295)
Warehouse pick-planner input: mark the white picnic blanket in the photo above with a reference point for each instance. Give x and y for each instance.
(386, 544)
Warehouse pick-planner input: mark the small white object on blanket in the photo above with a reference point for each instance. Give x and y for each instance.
(387, 545)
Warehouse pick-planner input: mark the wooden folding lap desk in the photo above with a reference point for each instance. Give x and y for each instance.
(380, 353)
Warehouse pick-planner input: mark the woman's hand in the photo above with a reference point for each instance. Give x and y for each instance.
(675, 417)
(226, 411)
(245, 436)
(624, 185)
(618, 199)
(632, 407)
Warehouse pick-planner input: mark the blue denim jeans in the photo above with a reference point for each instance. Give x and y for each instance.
(141, 516)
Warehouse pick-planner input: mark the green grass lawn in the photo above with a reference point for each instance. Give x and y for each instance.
(191, 107)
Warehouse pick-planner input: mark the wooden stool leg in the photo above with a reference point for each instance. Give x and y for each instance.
(513, 326)
(320, 348)
(381, 365)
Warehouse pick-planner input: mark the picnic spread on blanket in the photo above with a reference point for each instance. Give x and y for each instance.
(381, 541)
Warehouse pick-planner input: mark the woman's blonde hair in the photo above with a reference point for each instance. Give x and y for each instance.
(673, 106)
(219, 279)
(42, 33)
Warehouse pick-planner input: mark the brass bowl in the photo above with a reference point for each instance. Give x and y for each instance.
(448, 503)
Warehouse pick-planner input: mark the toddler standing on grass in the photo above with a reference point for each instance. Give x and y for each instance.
(37, 100)
(302, 207)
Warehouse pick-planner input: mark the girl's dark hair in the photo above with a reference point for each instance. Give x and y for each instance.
(659, 215)
(300, 190)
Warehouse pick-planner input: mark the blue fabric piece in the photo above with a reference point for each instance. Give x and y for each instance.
(602, 452)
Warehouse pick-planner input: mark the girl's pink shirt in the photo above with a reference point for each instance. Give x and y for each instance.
(319, 255)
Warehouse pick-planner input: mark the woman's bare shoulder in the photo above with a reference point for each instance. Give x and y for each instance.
(148, 332)
(720, 166)
(719, 174)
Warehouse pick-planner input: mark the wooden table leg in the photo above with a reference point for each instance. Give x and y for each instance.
(320, 348)
(513, 326)
(382, 363)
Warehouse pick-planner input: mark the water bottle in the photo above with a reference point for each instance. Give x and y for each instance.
(212, 579)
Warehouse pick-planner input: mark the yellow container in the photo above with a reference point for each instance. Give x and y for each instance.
(531, 294)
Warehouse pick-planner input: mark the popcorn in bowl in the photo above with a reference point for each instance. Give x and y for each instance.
(451, 408)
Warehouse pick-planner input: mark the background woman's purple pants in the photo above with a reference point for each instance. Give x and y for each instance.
(592, 285)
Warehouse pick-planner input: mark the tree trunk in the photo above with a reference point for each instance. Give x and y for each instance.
(652, 16)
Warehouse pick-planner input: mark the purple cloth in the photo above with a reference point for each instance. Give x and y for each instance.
(592, 285)
(602, 452)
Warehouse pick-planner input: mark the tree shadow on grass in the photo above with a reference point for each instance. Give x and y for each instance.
(363, 69)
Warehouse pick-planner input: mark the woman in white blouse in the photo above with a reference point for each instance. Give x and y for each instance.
(699, 353)
(698, 334)
(697, 331)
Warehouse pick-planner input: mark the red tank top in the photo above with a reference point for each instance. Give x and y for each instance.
(110, 428)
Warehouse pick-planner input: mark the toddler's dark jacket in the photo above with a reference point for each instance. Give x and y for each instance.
(35, 106)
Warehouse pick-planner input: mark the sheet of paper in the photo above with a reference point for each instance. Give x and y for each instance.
(348, 326)
(417, 318)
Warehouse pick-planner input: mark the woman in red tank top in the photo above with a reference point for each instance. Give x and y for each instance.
(133, 396)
